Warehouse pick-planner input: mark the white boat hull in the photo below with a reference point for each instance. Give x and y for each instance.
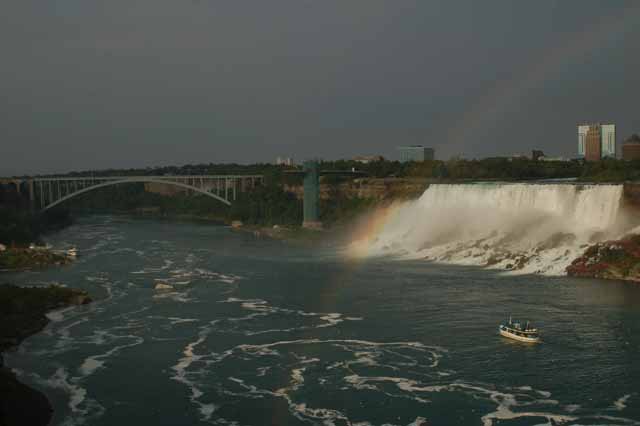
(519, 338)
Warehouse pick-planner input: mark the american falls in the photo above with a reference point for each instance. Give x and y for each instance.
(524, 228)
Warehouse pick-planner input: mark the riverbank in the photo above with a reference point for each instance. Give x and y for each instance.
(20, 259)
(22, 314)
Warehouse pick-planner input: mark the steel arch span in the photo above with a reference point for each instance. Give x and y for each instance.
(54, 191)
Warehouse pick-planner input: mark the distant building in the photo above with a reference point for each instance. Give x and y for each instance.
(416, 153)
(368, 159)
(596, 141)
(284, 161)
(631, 148)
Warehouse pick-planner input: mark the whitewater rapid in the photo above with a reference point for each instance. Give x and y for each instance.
(523, 228)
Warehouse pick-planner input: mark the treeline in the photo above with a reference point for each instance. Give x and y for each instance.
(610, 170)
(20, 227)
(265, 205)
(499, 168)
(271, 172)
(496, 168)
(270, 204)
(461, 169)
(132, 197)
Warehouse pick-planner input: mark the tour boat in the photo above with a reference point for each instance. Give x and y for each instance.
(517, 331)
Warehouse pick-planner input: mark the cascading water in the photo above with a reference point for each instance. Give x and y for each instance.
(530, 228)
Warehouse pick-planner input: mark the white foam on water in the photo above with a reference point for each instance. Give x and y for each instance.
(572, 408)
(262, 371)
(621, 403)
(261, 308)
(99, 337)
(175, 296)
(361, 349)
(526, 228)
(82, 408)
(413, 374)
(207, 411)
(175, 320)
(58, 315)
(181, 374)
(64, 333)
(91, 364)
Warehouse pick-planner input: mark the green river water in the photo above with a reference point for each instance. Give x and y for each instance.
(263, 332)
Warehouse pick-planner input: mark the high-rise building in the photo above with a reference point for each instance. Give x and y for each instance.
(608, 132)
(593, 144)
(582, 139)
(592, 150)
(416, 153)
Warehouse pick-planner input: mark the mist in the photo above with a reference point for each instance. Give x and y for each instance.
(525, 228)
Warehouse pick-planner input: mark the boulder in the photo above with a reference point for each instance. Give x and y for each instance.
(163, 286)
(80, 299)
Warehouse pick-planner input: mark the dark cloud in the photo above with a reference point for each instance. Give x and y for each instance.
(94, 84)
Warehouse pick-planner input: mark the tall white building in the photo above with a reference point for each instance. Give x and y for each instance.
(582, 139)
(607, 139)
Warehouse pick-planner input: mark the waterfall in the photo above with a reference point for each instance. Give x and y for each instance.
(529, 228)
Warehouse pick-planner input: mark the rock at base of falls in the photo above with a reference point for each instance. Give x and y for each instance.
(163, 286)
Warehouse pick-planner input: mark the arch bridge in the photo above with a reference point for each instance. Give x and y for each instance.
(48, 192)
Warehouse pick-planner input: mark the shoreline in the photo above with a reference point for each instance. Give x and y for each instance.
(23, 314)
(20, 259)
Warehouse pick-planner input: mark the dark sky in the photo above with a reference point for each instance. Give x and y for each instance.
(134, 83)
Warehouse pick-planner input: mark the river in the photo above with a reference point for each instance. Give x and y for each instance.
(260, 332)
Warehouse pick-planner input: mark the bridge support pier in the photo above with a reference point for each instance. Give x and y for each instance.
(311, 196)
(32, 195)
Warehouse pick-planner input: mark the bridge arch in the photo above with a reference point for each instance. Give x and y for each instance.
(136, 180)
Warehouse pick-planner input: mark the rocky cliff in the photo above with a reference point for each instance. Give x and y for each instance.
(618, 259)
(369, 188)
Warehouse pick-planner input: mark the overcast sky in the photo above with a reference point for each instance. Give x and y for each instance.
(133, 83)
